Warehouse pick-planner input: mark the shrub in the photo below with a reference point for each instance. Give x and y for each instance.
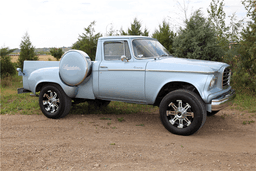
(197, 40)
(7, 67)
(56, 53)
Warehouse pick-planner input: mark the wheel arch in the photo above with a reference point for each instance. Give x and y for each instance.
(53, 101)
(40, 85)
(172, 86)
(70, 91)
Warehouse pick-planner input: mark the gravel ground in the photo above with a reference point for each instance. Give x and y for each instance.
(139, 142)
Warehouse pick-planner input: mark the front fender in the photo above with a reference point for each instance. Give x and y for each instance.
(155, 81)
(49, 75)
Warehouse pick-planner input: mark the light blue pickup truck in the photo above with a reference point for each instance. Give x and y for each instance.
(133, 69)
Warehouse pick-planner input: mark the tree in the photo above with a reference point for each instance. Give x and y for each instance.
(87, 42)
(217, 17)
(27, 51)
(135, 29)
(122, 32)
(234, 27)
(197, 40)
(56, 53)
(7, 67)
(247, 48)
(145, 32)
(112, 31)
(165, 36)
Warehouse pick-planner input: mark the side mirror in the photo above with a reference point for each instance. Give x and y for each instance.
(20, 73)
(140, 56)
(123, 58)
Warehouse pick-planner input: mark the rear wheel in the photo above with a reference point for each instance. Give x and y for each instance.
(54, 102)
(182, 112)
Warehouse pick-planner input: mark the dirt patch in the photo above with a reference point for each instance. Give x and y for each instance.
(139, 142)
(8, 92)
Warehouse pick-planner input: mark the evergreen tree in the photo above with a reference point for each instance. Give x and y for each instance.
(135, 28)
(122, 32)
(165, 36)
(56, 53)
(145, 32)
(87, 42)
(7, 67)
(197, 40)
(247, 49)
(27, 51)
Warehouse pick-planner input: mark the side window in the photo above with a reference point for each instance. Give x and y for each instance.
(114, 50)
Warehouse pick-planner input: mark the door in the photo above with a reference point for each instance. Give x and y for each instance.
(121, 80)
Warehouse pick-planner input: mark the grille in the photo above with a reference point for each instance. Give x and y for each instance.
(226, 78)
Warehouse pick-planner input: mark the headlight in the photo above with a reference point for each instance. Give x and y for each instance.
(213, 82)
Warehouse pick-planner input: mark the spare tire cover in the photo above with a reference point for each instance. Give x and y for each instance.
(74, 67)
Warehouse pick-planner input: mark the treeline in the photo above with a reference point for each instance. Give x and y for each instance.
(206, 38)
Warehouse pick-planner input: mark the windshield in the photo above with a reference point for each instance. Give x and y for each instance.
(149, 48)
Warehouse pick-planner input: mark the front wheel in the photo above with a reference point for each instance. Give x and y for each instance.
(182, 112)
(54, 102)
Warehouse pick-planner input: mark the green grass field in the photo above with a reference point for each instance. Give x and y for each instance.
(13, 103)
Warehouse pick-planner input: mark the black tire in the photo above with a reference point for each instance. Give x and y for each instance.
(54, 102)
(212, 113)
(98, 103)
(182, 112)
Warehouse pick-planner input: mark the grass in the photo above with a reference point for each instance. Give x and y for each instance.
(245, 101)
(12, 103)
(22, 104)
(248, 122)
(121, 119)
(105, 118)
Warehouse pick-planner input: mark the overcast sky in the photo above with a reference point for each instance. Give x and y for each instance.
(57, 23)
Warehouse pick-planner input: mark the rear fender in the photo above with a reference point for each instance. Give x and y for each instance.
(42, 76)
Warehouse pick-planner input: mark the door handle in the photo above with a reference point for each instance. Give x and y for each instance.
(103, 66)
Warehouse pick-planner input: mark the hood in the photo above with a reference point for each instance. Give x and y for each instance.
(185, 65)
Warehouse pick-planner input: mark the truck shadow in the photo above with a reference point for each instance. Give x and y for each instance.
(116, 108)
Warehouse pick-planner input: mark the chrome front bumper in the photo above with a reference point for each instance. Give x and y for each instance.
(223, 101)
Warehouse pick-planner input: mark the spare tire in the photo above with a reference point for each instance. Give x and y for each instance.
(75, 66)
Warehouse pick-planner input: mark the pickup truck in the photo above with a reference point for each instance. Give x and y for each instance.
(132, 69)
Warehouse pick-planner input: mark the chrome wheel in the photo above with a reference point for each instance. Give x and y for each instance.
(181, 116)
(51, 101)
(182, 112)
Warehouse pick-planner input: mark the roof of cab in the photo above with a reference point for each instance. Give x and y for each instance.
(124, 37)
